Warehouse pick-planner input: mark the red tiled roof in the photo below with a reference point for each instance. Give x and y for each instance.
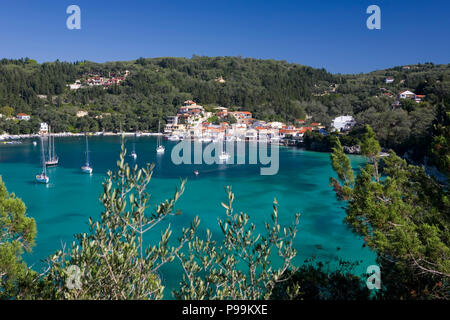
(288, 130)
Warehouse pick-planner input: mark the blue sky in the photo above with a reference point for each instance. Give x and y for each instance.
(318, 33)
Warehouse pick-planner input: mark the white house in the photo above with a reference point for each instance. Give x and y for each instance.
(343, 123)
(172, 120)
(389, 80)
(23, 116)
(251, 135)
(82, 113)
(75, 86)
(276, 124)
(44, 128)
(406, 94)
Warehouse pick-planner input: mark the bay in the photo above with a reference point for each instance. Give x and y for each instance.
(62, 207)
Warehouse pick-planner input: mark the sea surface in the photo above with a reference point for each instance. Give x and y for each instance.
(62, 207)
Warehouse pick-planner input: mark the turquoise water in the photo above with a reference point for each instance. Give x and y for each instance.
(62, 207)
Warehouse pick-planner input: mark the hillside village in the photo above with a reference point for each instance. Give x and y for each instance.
(96, 79)
(223, 98)
(193, 122)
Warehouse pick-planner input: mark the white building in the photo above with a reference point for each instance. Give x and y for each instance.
(75, 86)
(44, 128)
(343, 123)
(251, 135)
(82, 113)
(221, 109)
(276, 125)
(389, 80)
(406, 94)
(172, 120)
(23, 116)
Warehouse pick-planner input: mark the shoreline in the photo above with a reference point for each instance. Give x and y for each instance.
(6, 137)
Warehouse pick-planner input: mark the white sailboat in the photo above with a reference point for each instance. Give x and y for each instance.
(53, 159)
(43, 178)
(87, 167)
(224, 156)
(133, 153)
(160, 148)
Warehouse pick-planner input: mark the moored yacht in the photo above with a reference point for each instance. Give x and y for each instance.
(174, 137)
(133, 153)
(87, 167)
(160, 148)
(53, 159)
(43, 178)
(224, 156)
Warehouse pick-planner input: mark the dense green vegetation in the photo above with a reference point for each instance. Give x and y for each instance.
(17, 233)
(271, 90)
(154, 89)
(404, 215)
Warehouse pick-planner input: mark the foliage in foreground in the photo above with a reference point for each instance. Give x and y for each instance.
(242, 266)
(114, 260)
(404, 215)
(320, 281)
(17, 233)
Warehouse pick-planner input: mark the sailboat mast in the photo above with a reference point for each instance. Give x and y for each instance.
(53, 147)
(44, 170)
(49, 144)
(87, 152)
(159, 129)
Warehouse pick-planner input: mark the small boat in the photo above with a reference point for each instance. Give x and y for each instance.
(196, 172)
(160, 148)
(43, 178)
(174, 138)
(53, 159)
(87, 167)
(34, 143)
(224, 156)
